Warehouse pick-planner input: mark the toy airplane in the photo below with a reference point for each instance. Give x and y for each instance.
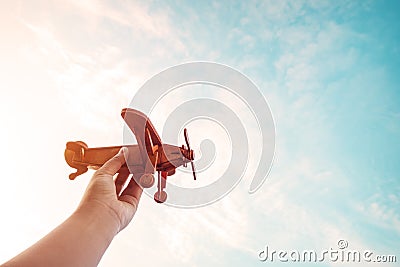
(144, 159)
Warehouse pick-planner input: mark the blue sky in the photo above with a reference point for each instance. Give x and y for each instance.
(329, 70)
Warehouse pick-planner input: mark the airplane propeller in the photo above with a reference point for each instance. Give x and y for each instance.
(185, 133)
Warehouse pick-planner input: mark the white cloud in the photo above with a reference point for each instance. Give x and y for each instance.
(380, 214)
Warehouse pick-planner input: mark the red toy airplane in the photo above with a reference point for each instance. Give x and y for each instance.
(148, 156)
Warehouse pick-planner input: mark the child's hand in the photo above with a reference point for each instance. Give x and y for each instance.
(103, 194)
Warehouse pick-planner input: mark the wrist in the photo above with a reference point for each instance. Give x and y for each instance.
(97, 220)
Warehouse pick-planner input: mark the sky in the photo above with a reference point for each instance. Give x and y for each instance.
(328, 69)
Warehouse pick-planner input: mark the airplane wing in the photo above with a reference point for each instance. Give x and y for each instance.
(146, 135)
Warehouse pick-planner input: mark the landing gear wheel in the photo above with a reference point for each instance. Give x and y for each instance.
(146, 180)
(160, 197)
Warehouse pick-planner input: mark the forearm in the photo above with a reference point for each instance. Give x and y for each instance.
(80, 241)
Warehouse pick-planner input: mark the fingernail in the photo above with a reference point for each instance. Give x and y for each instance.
(123, 150)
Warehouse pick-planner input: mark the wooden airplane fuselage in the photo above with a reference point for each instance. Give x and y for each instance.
(171, 158)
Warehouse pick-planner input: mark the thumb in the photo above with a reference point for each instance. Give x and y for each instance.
(114, 164)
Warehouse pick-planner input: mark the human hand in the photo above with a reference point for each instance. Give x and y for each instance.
(103, 194)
